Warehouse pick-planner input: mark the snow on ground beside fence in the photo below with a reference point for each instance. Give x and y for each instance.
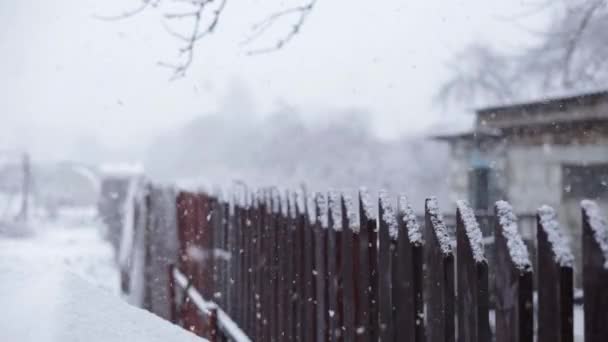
(61, 284)
(53, 304)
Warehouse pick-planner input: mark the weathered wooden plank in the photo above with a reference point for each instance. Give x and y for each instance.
(334, 265)
(350, 267)
(555, 283)
(513, 283)
(300, 269)
(308, 322)
(321, 276)
(408, 276)
(473, 297)
(386, 245)
(369, 268)
(595, 272)
(440, 276)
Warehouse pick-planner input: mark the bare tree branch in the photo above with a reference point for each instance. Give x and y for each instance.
(129, 13)
(302, 13)
(571, 55)
(201, 26)
(179, 69)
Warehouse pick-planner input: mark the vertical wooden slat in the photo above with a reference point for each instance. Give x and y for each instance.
(595, 272)
(555, 283)
(440, 276)
(273, 261)
(386, 246)
(350, 267)
(298, 244)
(308, 323)
(513, 283)
(319, 227)
(334, 265)
(261, 280)
(473, 300)
(369, 267)
(408, 281)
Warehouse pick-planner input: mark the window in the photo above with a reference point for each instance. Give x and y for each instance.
(585, 181)
(479, 188)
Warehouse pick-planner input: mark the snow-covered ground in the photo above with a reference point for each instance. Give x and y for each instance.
(61, 284)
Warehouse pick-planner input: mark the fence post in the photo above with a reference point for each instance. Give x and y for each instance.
(595, 272)
(408, 276)
(309, 277)
(350, 267)
(514, 305)
(440, 276)
(555, 287)
(387, 235)
(369, 267)
(473, 297)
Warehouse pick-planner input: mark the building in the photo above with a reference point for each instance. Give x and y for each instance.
(553, 151)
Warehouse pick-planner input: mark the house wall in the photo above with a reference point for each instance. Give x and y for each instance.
(535, 178)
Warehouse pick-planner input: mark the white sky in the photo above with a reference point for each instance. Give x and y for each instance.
(69, 78)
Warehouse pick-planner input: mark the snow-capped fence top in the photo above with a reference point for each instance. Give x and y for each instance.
(335, 210)
(308, 282)
(388, 214)
(439, 231)
(351, 213)
(408, 216)
(508, 229)
(598, 225)
(472, 230)
(547, 219)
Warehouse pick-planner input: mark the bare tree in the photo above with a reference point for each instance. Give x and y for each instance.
(571, 54)
(200, 18)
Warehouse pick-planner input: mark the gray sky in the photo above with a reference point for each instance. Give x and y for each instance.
(69, 78)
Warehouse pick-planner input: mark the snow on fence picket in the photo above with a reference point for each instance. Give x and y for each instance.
(327, 268)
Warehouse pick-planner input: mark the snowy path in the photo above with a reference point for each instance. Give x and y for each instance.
(61, 285)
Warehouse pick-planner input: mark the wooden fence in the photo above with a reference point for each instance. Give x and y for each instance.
(333, 268)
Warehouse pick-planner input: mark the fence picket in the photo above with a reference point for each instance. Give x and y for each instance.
(555, 285)
(386, 246)
(440, 276)
(334, 258)
(595, 272)
(514, 305)
(408, 277)
(321, 280)
(369, 267)
(350, 267)
(473, 297)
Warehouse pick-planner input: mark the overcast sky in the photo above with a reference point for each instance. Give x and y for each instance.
(68, 78)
